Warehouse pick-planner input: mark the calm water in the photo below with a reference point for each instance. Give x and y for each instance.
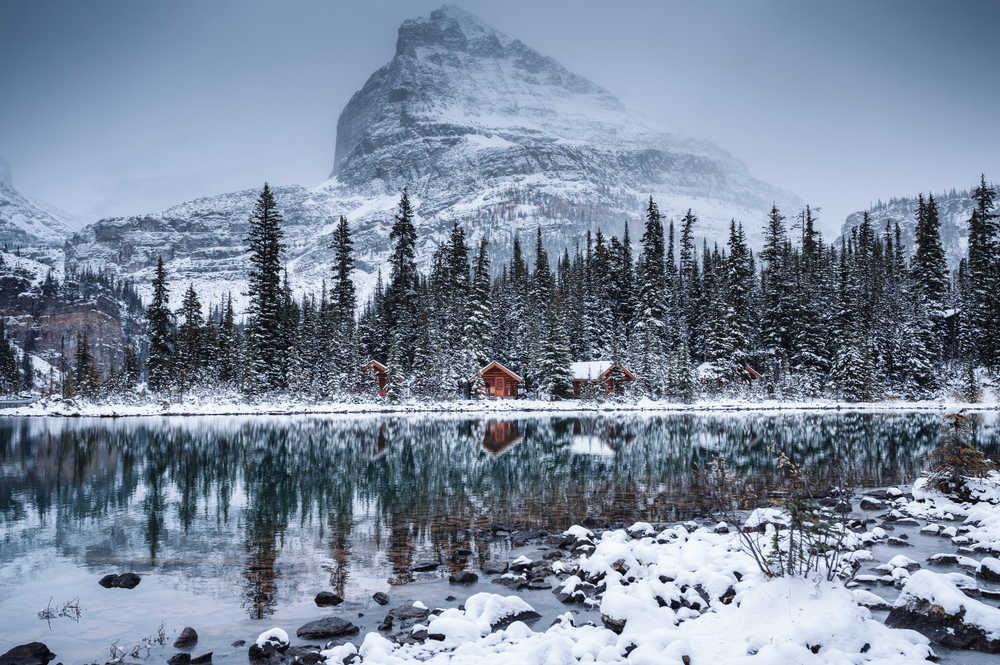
(236, 522)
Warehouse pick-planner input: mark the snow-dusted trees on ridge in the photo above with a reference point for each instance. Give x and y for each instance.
(859, 319)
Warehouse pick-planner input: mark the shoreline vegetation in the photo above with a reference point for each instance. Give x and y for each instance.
(55, 406)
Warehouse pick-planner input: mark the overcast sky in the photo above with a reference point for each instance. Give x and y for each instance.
(120, 107)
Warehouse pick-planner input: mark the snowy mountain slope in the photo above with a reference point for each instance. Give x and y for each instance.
(954, 210)
(483, 131)
(24, 222)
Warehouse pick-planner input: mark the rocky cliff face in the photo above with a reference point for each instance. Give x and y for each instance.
(954, 211)
(24, 223)
(484, 131)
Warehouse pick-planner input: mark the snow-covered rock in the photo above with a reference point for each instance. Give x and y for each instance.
(934, 605)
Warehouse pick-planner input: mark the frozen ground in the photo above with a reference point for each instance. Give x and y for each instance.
(235, 404)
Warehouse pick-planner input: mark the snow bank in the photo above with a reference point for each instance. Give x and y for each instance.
(689, 594)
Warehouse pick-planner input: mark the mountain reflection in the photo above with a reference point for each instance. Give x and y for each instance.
(367, 497)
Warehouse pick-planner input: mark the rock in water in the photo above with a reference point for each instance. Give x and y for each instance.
(326, 628)
(187, 639)
(123, 581)
(931, 604)
(381, 597)
(203, 659)
(108, 581)
(328, 599)
(179, 659)
(32, 653)
(464, 577)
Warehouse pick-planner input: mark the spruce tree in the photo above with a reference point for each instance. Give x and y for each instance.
(343, 301)
(401, 307)
(265, 341)
(190, 359)
(158, 320)
(85, 374)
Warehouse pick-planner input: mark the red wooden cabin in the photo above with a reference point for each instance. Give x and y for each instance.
(379, 371)
(498, 381)
(598, 371)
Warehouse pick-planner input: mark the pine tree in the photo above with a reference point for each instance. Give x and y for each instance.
(401, 306)
(161, 349)
(190, 359)
(85, 374)
(555, 380)
(265, 334)
(9, 379)
(930, 272)
(343, 301)
(228, 360)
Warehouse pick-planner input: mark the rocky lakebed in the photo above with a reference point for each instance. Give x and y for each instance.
(920, 581)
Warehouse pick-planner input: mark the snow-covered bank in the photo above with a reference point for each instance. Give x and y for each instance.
(677, 597)
(235, 405)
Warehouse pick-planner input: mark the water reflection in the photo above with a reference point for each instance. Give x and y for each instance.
(265, 498)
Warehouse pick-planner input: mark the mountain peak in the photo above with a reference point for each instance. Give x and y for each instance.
(450, 28)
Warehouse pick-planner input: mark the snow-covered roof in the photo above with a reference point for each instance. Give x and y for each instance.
(501, 367)
(589, 370)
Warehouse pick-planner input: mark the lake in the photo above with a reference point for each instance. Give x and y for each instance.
(235, 523)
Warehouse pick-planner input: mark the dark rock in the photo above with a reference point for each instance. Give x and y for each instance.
(179, 659)
(464, 577)
(539, 583)
(108, 581)
(943, 559)
(870, 503)
(386, 624)
(409, 613)
(32, 653)
(381, 597)
(989, 570)
(527, 616)
(614, 625)
(328, 599)
(495, 567)
(946, 629)
(327, 627)
(522, 565)
(510, 581)
(450, 598)
(282, 654)
(898, 542)
(425, 566)
(239, 643)
(203, 659)
(187, 639)
(127, 581)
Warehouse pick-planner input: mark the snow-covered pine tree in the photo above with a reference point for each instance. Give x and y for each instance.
(265, 334)
(401, 305)
(343, 305)
(85, 374)
(930, 272)
(189, 340)
(159, 364)
(554, 378)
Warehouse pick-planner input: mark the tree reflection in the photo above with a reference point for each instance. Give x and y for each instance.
(421, 487)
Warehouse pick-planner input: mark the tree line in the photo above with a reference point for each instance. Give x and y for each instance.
(864, 318)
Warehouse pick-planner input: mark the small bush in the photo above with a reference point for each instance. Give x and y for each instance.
(956, 458)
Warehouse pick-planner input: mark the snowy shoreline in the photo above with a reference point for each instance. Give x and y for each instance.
(198, 407)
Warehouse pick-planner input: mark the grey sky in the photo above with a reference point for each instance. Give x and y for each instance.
(120, 107)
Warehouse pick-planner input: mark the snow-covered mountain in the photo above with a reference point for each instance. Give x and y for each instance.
(24, 223)
(954, 211)
(484, 131)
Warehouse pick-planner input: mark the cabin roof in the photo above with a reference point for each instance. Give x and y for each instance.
(503, 369)
(376, 364)
(595, 369)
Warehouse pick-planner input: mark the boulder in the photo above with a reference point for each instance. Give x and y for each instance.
(495, 567)
(409, 613)
(425, 566)
(32, 653)
(328, 599)
(870, 503)
(181, 658)
(381, 597)
(123, 581)
(326, 628)
(933, 605)
(187, 639)
(464, 577)
(989, 569)
(203, 659)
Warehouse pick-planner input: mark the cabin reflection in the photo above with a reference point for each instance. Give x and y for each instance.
(500, 436)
